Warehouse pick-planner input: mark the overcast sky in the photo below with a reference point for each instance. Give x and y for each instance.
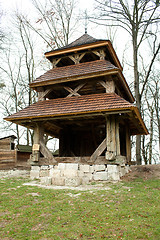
(121, 40)
(25, 4)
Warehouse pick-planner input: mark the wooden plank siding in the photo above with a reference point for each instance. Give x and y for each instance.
(7, 159)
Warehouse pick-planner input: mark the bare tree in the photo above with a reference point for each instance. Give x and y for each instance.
(13, 96)
(52, 26)
(147, 142)
(18, 68)
(55, 22)
(155, 92)
(138, 18)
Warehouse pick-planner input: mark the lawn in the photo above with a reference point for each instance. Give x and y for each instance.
(128, 210)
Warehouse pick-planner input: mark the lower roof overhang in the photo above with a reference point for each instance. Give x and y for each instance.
(58, 113)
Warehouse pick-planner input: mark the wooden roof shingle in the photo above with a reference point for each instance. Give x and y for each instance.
(79, 106)
(73, 71)
(84, 39)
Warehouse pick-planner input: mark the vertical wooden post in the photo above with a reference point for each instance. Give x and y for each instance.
(36, 136)
(118, 151)
(128, 145)
(113, 134)
(39, 145)
(36, 141)
(108, 133)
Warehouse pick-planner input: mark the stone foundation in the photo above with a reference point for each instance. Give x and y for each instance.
(74, 174)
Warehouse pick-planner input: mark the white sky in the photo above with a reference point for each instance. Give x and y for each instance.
(25, 4)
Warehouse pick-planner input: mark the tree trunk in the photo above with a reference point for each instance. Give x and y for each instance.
(17, 130)
(144, 150)
(151, 138)
(137, 93)
(159, 138)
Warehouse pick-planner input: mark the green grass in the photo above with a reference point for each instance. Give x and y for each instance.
(127, 211)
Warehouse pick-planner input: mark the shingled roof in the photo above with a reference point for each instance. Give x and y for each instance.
(84, 39)
(84, 43)
(72, 105)
(74, 70)
(94, 103)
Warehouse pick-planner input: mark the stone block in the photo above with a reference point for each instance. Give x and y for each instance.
(122, 171)
(91, 169)
(121, 160)
(61, 166)
(75, 182)
(99, 168)
(128, 169)
(35, 168)
(100, 176)
(58, 181)
(34, 174)
(43, 167)
(73, 166)
(80, 173)
(46, 180)
(112, 168)
(110, 156)
(89, 176)
(113, 176)
(44, 173)
(51, 172)
(51, 166)
(69, 173)
(85, 180)
(84, 168)
(54, 173)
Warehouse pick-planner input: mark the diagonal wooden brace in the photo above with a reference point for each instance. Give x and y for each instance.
(74, 92)
(46, 152)
(99, 150)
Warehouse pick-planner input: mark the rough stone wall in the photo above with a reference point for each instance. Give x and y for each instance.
(74, 174)
(14, 173)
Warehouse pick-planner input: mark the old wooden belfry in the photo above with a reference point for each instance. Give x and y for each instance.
(85, 102)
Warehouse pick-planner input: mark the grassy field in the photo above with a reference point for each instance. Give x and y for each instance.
(128, 210)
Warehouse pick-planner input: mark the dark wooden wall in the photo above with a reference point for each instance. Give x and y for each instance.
(81, 141)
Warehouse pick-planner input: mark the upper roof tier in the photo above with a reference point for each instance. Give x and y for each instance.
(84, 39)
(86, 42)
(88, 70)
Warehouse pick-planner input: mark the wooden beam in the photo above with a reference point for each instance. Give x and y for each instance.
(108, 85)
(55, 62)
(45, 151)
(36, 137)
(76, 58)
(108, 133)
(39, 145)
(117, 139)
(113, 134)
(128, 144)
(42, 95)
(77, 48)
(98, 151)
(100, 53)
(74, 92)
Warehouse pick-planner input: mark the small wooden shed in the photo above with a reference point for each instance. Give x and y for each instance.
(12, 155)
(7, 152)
(85, 101)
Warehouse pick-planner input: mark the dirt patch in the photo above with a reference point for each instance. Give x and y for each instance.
(144, 171)
(98, 186)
